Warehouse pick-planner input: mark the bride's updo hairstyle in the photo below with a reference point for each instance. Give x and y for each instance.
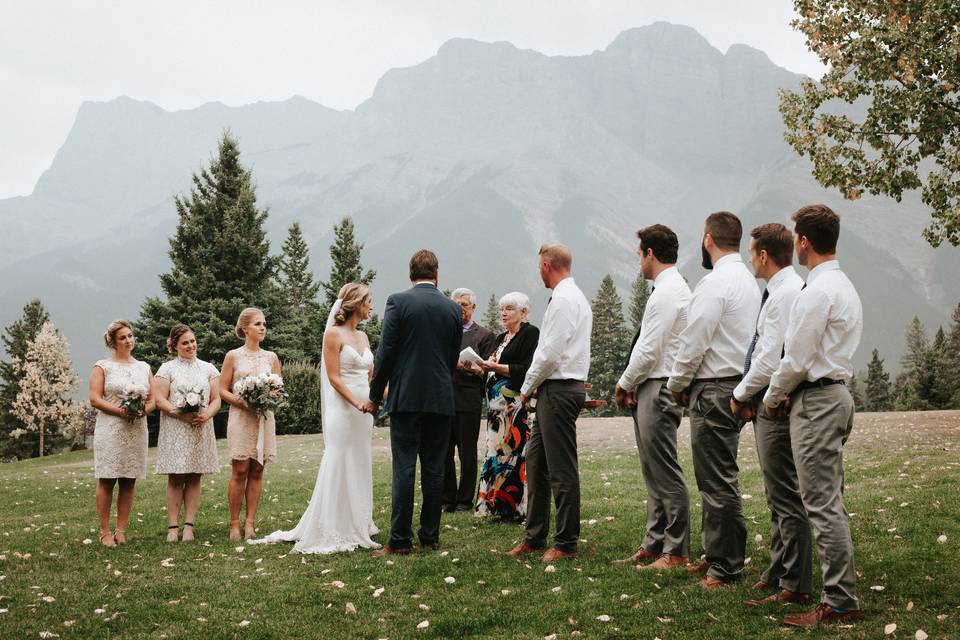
(351, 295)
(246, 317)
(110, 335)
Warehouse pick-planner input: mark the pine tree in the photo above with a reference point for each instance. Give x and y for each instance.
(916, 391)
(221, 263)
(44, 402)
(877, 394)
(639, 294)
(346, 267)
(491, 317)
(942, 384)
(297, 337)
(857, 392)
(953, 359)
(16, 339)
(609, 343)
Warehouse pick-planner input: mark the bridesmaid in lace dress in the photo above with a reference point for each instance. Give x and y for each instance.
(119, 438)
(246, 430)
(187, 390)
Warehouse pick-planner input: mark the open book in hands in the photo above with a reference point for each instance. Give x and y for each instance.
(469, 356)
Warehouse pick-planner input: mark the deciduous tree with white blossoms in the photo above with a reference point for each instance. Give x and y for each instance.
(44, 402)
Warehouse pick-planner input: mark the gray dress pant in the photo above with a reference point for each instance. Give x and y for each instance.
(552, 465)
(820, 423)
(655, 422)
(715, 438)
(791, 552)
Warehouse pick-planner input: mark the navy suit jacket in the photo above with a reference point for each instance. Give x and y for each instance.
(418, 352)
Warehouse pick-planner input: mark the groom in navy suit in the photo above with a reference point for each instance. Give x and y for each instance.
(418, 353)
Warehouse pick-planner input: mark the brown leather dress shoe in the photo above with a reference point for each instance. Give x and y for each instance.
(760, 585)
(391, 551)
(641, 555)
(521, 549)
(781, 597)
(712, 583)
(820, 615)
(699, 568)
(665, 561)
(556, 554)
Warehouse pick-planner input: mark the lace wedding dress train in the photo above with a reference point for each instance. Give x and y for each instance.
(339, 516)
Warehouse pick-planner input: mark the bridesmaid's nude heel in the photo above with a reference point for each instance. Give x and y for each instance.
(234, 529)
(187, 535)
(248, 531)
(106, 539)
(173, 533)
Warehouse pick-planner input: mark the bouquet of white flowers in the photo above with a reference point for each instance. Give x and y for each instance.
(133, 398)
(263, 392)
(189, 399)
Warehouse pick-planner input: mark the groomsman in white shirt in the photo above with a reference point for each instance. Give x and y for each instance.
(557, 374)
(709, 364)
(656, 416)
(790, 573)
(824, 331)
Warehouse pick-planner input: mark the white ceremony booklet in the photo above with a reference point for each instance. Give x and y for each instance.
(469, 355)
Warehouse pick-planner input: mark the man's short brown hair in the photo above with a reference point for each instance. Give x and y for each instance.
(725, 229)
(776, 240)
(558, 255)
(820, 225)
(424, 265)
(661, 240)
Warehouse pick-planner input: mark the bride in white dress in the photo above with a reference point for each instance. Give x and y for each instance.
(339, 516)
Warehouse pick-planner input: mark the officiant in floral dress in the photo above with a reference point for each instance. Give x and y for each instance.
(503, 477)
(188, 395)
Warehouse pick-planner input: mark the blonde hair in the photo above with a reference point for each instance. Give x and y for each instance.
(110, 335)
(351, 295)
(557, 255)
(243, 321)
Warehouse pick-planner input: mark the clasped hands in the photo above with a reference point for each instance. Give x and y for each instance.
(623, 398)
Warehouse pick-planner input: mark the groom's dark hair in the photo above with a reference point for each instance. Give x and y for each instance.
(424, 265)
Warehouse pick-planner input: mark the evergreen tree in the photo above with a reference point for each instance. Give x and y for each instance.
(297, 338)
(857, 392)
(877, 395)
(639, 294)
(917, 389)
(221, 263)
(44, 402)
(609, 343)
(16, 339)
(491, 317)
(941, 373)
(346, 267)
(953, 359)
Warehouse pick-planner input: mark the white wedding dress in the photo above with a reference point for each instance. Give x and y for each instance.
(339, 516)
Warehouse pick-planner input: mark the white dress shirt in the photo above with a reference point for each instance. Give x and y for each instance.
(824, 332)
(563, 350)
(663, 319)
(782, 290)
(721, 319)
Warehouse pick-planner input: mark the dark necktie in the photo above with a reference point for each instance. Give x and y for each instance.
(636, 336)
(756, 334)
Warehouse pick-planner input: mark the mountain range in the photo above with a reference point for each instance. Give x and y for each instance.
(482, 152)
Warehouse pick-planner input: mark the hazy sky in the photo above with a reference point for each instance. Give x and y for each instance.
(180, 54)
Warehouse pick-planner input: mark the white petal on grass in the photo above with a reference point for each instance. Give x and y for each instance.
(910, 606)
(877, 587)
(890, 629)
(244, 623)
(350, 608)
(603, 618)
(87, 541)
(942, 539)
(337, 584)
(758, 539)
(424, 625)
(920, 635)
(424, 607)
(378, 592)
(550, 569)
(449, 579)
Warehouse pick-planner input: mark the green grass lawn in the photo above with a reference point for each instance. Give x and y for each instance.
(903, 473)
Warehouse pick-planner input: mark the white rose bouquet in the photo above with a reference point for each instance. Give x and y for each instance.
(133, 398)
(189, 399)
(263, 392)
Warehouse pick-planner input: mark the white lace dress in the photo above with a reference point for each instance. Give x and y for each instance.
(120, 446)
(339, 516)
(181, 447)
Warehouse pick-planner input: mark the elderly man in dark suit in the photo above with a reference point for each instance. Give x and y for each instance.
(468, 400)
(418, 353)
